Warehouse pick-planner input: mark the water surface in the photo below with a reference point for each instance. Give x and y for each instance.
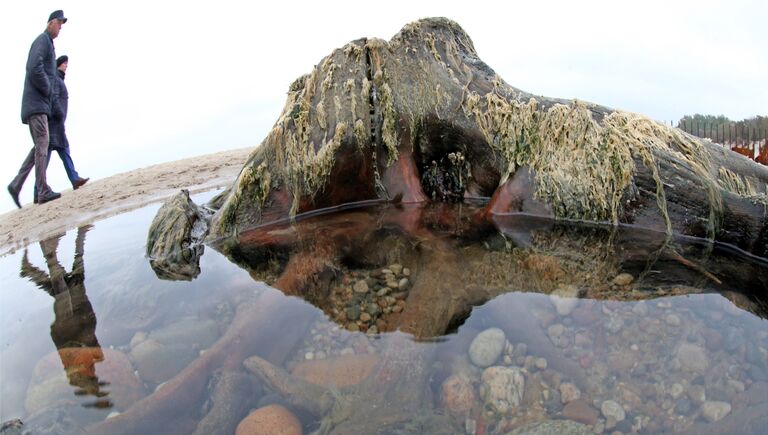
(504, 327)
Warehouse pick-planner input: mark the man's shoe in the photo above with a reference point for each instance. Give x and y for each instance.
(50, 196)
(14, 195)
(79, 182)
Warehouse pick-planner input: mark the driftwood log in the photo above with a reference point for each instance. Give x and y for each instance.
(422, 119)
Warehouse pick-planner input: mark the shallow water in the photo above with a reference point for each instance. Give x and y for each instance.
(647, 334)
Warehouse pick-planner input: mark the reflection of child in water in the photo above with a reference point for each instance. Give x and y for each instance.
(74, 328)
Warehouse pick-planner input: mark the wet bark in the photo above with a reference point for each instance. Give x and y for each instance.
(234, 394)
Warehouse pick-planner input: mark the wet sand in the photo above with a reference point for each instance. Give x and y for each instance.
(119, 193)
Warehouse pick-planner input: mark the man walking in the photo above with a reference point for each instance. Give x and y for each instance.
(39, 89)
(59, 141)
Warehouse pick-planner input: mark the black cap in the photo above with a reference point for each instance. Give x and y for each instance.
(58, 15)
(62, 59)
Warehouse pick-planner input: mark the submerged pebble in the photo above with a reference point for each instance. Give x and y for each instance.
(487, 347)
(715, 410)
(612, 410)
(569, 392)
(272, 419)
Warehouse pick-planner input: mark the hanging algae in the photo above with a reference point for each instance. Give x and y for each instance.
(740, 186)
(287, 154)
(583, 168)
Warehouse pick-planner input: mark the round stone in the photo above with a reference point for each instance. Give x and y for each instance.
(458, 396)
(612, 410)
(360, 287)
(272, 419)
(487, 347)
(714, 411)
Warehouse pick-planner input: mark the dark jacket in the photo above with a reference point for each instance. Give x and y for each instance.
(38, 83)
(59, 108)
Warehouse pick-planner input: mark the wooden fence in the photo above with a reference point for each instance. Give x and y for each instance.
(750, 142)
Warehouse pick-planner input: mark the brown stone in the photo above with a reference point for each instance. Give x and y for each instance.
(457, 395)
(338, 372)
(580, 410)
(270, 420)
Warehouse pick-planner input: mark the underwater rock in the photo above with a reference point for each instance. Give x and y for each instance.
(612, 410)
(458, 395)
(270, 420)
(502, 388)
(487, 346)
(189, 332)
(78, 381)
(157, 362)
(714, 410)
(580, 410)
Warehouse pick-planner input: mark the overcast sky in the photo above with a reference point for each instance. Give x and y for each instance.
(156, 81)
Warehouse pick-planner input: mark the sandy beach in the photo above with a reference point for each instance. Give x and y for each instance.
(119, 193)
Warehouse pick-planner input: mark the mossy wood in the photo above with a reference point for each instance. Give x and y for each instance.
(422, 117)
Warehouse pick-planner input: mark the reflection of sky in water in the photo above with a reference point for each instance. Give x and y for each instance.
(604, 347)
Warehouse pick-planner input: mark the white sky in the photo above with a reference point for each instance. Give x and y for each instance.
(156, 81)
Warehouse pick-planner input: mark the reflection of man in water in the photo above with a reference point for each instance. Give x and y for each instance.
(74, 328)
